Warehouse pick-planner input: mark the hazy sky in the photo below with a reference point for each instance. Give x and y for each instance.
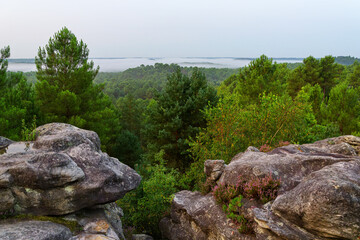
(186, 28)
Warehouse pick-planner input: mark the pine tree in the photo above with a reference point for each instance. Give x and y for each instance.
(65, 77)
(65, 90)
(176, 114)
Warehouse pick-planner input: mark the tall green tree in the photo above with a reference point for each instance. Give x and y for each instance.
(65, 77)
(262, 75)
(324, 72)
(17, 103)
(4, 54)
(65, 90)
(343, 108)
(176, 115)
(354, 75)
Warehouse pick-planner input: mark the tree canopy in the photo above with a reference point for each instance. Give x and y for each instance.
(65, 90)
(176, 115)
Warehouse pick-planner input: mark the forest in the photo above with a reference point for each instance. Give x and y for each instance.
(165, 120)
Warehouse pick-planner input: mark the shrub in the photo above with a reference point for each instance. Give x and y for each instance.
(233, 212)
(265, 189)
(224, 193)
(145, 206)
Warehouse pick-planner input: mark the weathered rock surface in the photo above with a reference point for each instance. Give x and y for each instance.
(326, 202)
(100, 221)
(34, 230)
(290, 164)
(61, 172)
(194, 216)
(213, 169)
(4, 142)
(319, 195)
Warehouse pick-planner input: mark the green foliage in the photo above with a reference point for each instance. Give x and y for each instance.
(131, 113)
(262, 75)
(324, 72)
(232, 128)
(4, 54)
(65, 91)
(65, 77)
(233, 212)
(28, 134)
(127, 148)
(264, 189)
(150, 202)
(176, 115)
(353, 77)
(17, 101)
(343, 108)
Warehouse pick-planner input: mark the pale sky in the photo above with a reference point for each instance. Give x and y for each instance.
(186, 28)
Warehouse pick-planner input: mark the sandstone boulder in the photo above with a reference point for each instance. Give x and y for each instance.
(290, 164)
(63, 171)
(100, 221)
(194, 216)
(319, 195)
(34, 230)
(326, 202)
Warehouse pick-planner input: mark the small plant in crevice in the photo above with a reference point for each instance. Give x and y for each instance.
(267, 147)
(264, 189)
(234, 212)
(230, 197)
(224, 193)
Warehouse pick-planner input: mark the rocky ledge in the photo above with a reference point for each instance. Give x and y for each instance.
(61, 172)
(319, 195)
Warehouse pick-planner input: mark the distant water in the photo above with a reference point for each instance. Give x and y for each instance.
(121, 64)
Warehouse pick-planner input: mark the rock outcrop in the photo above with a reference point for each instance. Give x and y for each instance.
(62, 172)
(319, 195)
(194, 216)
(31, 230)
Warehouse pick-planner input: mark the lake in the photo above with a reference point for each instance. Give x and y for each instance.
(121, 64)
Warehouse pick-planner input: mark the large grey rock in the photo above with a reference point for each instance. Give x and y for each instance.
(100, 220)
(63, 171)
(319, 195)
(271, 226)
(326, 203)
(34, 230)
(194, 216)
(346, 145)
(290, 164)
